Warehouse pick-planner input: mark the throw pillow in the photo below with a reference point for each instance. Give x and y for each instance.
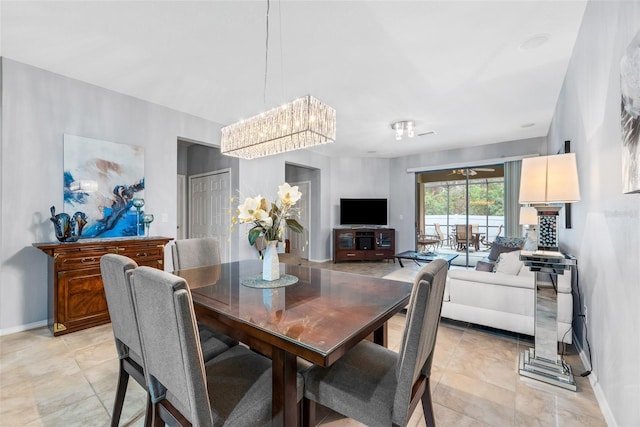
(484, 266)
(497, 249)
(511, 242)
(509, 263)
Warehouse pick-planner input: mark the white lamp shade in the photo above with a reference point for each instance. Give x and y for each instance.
(528, 215)
(549, 179)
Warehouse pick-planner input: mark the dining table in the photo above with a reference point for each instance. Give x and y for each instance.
(319, 318)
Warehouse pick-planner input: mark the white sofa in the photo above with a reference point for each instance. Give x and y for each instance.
(501, 300)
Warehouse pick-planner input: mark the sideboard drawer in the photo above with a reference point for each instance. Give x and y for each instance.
(74, 260)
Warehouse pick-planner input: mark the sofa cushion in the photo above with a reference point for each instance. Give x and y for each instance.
(499, 279)
(509, 263)
(484, 266)
(497, 249)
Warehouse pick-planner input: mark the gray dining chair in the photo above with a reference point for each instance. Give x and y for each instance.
(377, 386)
(116, 271)
(233, 389)
(198, 252)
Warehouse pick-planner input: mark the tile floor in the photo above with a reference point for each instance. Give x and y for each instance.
(70, 380)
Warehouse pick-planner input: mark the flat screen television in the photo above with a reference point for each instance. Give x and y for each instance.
(363, 211)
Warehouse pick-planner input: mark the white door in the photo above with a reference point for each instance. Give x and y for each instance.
(298, 242)
(209, 204)
(181, 228)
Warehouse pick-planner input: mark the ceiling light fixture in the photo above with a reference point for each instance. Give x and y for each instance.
(402, 128)
(302, 123)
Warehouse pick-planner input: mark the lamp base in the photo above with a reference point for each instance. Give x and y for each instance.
(548, 227)
(552, 372)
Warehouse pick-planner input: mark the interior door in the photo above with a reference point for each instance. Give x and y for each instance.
(298, 244)
(209, 204)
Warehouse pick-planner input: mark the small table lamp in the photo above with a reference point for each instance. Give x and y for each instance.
(546, 183)
(529, 219)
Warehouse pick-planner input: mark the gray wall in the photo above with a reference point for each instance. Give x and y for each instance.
(38, 108)
(606, 223)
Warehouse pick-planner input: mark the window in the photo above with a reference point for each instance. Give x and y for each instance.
(462, 197)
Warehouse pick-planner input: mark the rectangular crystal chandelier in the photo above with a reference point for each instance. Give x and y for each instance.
(302, 123)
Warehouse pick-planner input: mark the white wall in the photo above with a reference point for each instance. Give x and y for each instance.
(606, 233)
(38, 107)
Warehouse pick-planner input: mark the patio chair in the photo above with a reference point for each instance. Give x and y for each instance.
(441, 235)
(428, 242)
(485, 239)
(461, 236)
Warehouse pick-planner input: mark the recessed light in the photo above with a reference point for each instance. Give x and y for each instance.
(527, 125)
(534, 42)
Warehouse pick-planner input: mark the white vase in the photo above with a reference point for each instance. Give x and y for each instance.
(270, 262)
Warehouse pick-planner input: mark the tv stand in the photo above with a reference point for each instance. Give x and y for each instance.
(363, 243)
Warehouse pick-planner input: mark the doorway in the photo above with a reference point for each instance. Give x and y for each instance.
(209, 205)
(463, 208)
(308, 181)
(298, 241)
(205, 182)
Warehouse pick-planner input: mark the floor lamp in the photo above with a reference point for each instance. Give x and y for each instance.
(547, 183)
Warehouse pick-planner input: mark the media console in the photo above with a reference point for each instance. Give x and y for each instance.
(363, 244)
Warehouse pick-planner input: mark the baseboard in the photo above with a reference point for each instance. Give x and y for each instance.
(21, 328)
(595, 384)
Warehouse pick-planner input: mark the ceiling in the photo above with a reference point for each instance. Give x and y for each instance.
(470, 70)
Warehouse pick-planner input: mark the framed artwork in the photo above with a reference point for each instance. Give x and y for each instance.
(101, 179)
(630, 116)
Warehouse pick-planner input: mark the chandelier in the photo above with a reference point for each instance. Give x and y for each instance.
(402, 128)
(302, 123)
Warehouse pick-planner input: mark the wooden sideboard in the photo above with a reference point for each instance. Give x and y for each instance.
(76, 298)
(363, 244)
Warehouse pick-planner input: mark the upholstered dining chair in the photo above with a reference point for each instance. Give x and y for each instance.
(377, 386)
(231, 389)
(116, 271)
(197, 252)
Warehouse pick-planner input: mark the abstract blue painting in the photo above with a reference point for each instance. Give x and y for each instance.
(101, 178)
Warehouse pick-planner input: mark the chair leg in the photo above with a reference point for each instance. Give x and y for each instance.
(148, 416)
(308, 412)
(121, 390)
(427, 405)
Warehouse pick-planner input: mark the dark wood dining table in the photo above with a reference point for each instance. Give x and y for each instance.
(319, 318)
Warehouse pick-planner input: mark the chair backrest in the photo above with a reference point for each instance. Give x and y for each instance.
(116, 271)
(439, 231)
(171, 343)
(199, 252)
(421, 328)
(461, 231)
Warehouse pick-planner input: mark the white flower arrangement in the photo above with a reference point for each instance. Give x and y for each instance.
(267, 221)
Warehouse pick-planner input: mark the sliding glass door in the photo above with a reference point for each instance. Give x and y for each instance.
(463, 209)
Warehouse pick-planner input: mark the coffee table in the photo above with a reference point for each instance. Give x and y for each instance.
(424, 257)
